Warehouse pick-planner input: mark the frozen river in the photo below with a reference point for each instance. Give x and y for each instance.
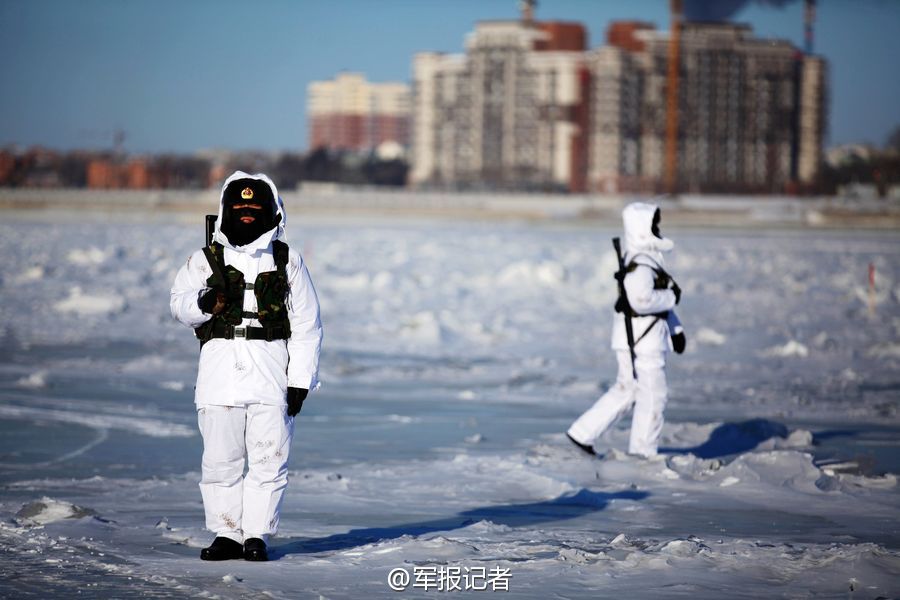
(456, 354)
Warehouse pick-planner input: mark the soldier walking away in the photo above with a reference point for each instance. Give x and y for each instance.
(645, 328)
(252, 305)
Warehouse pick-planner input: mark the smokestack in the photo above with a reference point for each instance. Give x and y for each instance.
(527, 9)
(723, 10)
(809, 17)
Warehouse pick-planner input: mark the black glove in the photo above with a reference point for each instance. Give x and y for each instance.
(295, 398)
(212, 302)
(679, 342)
(677, 291)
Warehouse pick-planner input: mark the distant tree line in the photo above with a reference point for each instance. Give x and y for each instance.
(880, 168)
(338, 167)
(40, 167)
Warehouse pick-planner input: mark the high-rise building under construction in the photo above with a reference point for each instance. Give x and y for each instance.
(527, 106)
(511, 112)
(750, 112)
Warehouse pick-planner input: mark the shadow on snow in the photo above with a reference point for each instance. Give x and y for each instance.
(511, 515)
(728, 439)
(733, 438)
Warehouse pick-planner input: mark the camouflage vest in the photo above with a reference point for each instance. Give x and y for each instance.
(270, 289)
(661, 281)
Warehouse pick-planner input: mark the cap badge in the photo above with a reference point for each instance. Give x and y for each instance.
(247, 194)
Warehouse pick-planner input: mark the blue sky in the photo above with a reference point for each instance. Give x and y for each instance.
(191, 74)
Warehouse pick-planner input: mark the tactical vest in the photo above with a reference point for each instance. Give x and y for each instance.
(661, 281)
(270, 289)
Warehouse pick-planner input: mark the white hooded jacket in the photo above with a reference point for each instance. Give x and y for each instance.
(646, 250)
(238, 371)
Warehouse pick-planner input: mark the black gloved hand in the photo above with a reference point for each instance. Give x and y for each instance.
(679, 342)
(295, 398)
(677, 291)
(212, 302)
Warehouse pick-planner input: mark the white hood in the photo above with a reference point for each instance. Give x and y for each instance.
(637, 219)
(265, 239)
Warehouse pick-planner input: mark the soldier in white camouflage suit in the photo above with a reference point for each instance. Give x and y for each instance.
(252, 304)
(652, 295)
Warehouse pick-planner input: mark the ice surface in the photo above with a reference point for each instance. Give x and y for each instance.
(47, 510)
(705, 335)
(86, 257)
(456, 354)
(90, 304)
(790, 348)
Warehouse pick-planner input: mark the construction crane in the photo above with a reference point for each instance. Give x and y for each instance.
(671, 171)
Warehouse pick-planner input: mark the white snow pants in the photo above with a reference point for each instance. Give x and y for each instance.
(242, 506)
(648, 395)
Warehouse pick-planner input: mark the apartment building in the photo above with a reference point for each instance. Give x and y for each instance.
(509, 113)
(349, 113)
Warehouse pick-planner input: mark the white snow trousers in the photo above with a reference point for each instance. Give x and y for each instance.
(240, 506)
(648, 396)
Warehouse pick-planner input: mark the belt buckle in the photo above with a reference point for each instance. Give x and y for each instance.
(240, 332)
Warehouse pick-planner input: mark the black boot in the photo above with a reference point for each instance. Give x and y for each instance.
(584, 447)
(222, 548)
(255, 550)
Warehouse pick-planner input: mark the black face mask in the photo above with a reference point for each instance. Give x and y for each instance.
(237, 198)
(240, 233)
(654, 229)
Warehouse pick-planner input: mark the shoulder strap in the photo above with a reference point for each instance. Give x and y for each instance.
(281, 255)
(633, 264)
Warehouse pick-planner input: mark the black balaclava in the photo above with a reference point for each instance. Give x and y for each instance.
(240, 193)
(654, 229)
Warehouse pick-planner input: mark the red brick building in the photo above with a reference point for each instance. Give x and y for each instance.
(349, 113)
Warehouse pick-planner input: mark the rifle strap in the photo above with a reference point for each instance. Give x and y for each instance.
(646, 331)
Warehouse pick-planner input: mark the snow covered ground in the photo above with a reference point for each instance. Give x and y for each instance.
(456, 355)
